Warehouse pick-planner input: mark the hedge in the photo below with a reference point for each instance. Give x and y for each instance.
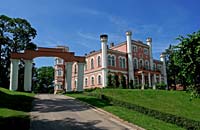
(169, 118)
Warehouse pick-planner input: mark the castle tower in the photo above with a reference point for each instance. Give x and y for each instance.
(130, 57)
(149, 43)
(104, 40)
(162, 58)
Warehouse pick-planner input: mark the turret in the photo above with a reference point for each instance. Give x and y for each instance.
(149, 43)
(162, 58)
(104, 40)
(130, 57)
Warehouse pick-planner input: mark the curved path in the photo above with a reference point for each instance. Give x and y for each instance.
(59, 112)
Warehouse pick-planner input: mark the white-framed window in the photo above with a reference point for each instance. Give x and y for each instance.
(86, 81)
(111, 60)
(135, 48)
(135, 63)
(146, 51)
(159, 67)
(92, 80)
(154, 66)
(140, 64)
(99, 79)
(146, 64)
(99, 61)
(59, 72)
(59, 61)
(122, 62)
(92, 63)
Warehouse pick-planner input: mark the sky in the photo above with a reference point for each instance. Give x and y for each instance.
(79, 23)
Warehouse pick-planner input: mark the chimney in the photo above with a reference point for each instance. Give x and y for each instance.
(112, 44)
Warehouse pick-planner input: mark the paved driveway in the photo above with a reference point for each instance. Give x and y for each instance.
(59, 112)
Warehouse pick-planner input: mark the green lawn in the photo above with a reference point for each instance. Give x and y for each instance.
(172, 102)
(14, 108)
(128, 115)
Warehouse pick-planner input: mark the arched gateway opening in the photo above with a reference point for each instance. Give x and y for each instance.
(29, 55)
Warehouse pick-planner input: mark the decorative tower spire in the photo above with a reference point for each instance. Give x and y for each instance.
(149, 43)
(104, 40)
(130, 57)
(162, 58)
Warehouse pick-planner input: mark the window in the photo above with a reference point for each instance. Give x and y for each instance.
(99, 79)
(159, 67)
(146, 52)
(92, 63)
(154, 66)
(135, 63)
(59, 72)
(113, 60)
(99, 61)
(109, 60)
(86, 81)
(147, 65)
(122, 62)
(92, 80)
(134, 48)
(140, 64)
(75, 69)
(59, 61)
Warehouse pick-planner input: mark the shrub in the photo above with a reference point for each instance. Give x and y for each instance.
(109, 80)
(161, 86)
(169, 118)
(116, 81)
(123, 82)
(131, 84)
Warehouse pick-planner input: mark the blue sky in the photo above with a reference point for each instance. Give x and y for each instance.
(79, 23)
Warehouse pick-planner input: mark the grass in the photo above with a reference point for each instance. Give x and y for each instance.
(126, 114)
(172, 102)
(14, 108)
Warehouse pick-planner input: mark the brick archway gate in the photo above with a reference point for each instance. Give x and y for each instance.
(29, 55)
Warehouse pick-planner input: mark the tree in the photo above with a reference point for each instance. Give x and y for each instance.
(188, 59)
(44, 78)
(116, 81)
(15, 36)
(123, 81)
(109, 80)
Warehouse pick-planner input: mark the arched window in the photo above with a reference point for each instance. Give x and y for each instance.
(59, 72)
(124, 62)
(109, 60)
(92, 63)
(99, 61)
(99, 79)
(113, 60)
(120, 62)
(154, 66)
(135, 63)
(140, 64)
(75, 69)
(86, 81)
(146, 64)
(92, 80)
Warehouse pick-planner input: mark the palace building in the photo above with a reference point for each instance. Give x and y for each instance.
(132, 59)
